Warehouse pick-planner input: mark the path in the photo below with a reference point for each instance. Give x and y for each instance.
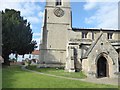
(105, 80)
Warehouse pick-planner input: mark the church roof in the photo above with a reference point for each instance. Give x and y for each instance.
(92, 46)
(90, 29)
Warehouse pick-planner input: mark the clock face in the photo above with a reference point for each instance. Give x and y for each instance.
(58, 12)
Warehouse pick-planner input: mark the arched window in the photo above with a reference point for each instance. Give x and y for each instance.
(58, 2)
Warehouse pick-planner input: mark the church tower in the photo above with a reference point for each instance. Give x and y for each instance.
(57, 21)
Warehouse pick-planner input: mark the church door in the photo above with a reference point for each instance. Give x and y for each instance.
(102, 67)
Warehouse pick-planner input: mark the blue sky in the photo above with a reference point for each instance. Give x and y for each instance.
(79, 15)
(85, 14)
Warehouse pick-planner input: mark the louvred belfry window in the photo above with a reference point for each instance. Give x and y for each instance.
(58, 2)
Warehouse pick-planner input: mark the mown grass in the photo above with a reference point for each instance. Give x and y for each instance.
(58, 72)
(14, 77)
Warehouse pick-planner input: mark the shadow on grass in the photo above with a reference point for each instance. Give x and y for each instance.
(47, 69)
(58, 72)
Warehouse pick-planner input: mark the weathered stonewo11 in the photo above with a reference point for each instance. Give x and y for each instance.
(94, 51)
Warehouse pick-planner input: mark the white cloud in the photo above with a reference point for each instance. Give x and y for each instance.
(90, 19)
(10, 5)
(23, 1)
(97, 0)
(36, 34)
(106, 15)
(38, 42)
(40, 14)
(37, 39)
(90, 4)
(33, 19)
(30, 10)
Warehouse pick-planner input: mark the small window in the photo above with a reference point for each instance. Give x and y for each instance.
(58, 2)
(92, 35)
(84, 34)
(110, 35)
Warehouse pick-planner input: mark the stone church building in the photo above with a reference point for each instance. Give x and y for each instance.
(93, 51)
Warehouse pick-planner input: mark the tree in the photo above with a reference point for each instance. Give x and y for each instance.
(16, 35)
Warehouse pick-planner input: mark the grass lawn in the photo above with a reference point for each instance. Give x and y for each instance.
(14, 77)
(58, 72)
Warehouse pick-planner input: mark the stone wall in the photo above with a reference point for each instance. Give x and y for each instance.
(92, 34)
(55, 29)
(102, 48)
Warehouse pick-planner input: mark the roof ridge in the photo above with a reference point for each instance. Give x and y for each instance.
(92, 45)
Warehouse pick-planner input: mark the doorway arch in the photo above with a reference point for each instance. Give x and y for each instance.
(102, 67)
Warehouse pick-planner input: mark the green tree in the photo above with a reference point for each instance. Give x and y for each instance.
(16, 35)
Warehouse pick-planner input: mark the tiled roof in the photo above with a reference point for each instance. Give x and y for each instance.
(36, 52)
(90, 29)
